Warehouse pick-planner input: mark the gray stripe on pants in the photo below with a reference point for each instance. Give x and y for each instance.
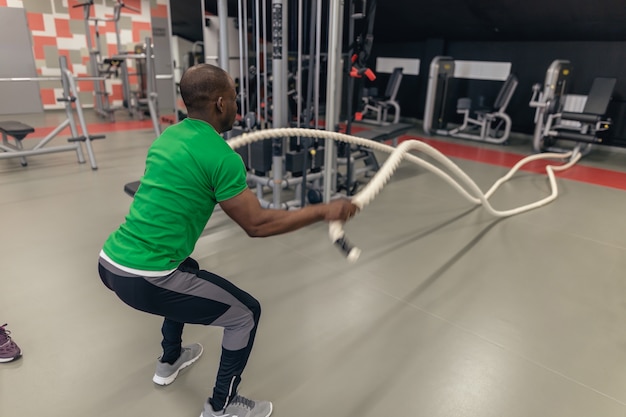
(238, 320)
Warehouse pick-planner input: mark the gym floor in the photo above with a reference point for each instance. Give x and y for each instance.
(449, 312)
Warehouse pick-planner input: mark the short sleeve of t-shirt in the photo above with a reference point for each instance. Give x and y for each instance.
(230, 177)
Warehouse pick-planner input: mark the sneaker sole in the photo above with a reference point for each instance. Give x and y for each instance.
(166, 381)
(267, 415)
(5, 360)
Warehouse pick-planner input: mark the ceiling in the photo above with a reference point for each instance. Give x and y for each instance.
(416, 20)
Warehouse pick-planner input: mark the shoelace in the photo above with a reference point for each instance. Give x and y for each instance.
(243, 401)
(4, 335)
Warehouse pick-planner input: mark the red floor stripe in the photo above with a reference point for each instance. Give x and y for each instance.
(96, 128)
(586, 174)
(590, 175)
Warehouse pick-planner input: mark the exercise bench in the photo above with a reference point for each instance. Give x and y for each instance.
(385, 132)
(131, 188)
(493, 124)
(382, 105)
(17, 131)
(71, 102)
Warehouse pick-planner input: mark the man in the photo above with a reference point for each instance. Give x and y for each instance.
(190, 169)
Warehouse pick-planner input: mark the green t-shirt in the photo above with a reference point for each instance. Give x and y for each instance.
(189, 169)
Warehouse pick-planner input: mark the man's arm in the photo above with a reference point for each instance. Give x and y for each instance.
(256, 221)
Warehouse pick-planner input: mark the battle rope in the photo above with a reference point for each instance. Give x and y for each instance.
(375, 185)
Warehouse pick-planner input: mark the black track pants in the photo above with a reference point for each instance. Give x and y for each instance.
(192, 295)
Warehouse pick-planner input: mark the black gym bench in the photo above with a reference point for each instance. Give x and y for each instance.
(131, 188)
(18, 131)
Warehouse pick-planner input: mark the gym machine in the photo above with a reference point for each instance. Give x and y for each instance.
(579, 120)
(381, 104)
(70, 99)
(19, 85)
(482, 124)
(104, 68)
(277, 86)
(302, 162)
(151, 100)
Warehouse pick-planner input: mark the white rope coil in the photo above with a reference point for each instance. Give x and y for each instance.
(465, 185)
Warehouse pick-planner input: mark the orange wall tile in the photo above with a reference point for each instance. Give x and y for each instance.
(35, 20)
(48, 97)
(159, 11)
(62, 27)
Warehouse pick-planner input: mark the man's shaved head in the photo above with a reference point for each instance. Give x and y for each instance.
(202, 84)
(209, 94)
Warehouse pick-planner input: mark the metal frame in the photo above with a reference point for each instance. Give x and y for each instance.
(442, 69)
(549, 100)
(279, 85)
(484, 121)
(151, 77)
(102, 104)
(381, 105)
(562, 121)
(70, 95)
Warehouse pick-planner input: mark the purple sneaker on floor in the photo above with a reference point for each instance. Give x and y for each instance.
(9, 351)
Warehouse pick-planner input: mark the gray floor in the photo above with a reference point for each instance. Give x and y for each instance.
(450, 311)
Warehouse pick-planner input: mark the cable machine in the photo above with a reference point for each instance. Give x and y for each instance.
(280, 71)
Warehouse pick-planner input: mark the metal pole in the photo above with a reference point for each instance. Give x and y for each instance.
(127, 101)
(350, 95)
(257, 33)
(242, 54)
(318, 51)
(151, 88)
(245, 57)
(93, 64)
(222, 15)
(311, 110)
(279, 90)
(332, 111)
(70, 91)
(265, 66)
(299, 79)
(304, 149)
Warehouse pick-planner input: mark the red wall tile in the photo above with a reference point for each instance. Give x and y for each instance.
(62, 27)
(48, 97)
(35, 20)
(159, 11)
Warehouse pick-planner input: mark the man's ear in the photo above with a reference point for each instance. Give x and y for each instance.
(220, 104)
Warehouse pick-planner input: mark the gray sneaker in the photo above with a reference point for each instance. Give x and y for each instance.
(166, 374)
(240, 407)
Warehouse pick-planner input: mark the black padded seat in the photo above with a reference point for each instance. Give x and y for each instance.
(131, 188)
(16, 129)
(385, 132)
(592, 118)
